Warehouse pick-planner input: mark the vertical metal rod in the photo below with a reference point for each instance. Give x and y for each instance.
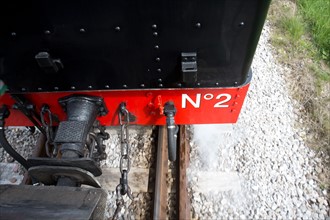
(160, 198)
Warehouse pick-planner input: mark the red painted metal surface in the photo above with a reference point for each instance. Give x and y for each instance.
(194, 106)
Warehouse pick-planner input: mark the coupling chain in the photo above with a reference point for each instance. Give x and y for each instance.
(124, 163)
(48, 128)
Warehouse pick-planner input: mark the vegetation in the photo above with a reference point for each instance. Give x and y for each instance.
(317, 14)
(301, 39)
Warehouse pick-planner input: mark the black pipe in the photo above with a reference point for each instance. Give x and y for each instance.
(172, 130)
(4, 113)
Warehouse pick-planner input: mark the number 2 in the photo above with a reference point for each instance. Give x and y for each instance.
(221, 103)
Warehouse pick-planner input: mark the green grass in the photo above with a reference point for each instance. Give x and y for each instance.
(301, 37)
(317, 15)
(294, 28)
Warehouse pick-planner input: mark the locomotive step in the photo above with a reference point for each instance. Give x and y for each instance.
(48, 202)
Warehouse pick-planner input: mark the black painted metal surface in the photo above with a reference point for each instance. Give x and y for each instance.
(47, 202)
(126, 44)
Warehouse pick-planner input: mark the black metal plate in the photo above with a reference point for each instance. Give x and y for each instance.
(46, 202)
(83, 163)
(95, 54)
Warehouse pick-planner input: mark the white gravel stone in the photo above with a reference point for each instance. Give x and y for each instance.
(277, 169)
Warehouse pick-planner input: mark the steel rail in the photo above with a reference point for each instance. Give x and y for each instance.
(160, 196)
(182, 185)
(161, 187)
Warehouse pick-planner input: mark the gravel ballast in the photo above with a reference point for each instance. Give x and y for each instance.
(277, 173)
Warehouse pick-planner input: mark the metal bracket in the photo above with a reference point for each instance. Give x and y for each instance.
(47, 63)
(122, 109)
(28, 110)
(189, 67)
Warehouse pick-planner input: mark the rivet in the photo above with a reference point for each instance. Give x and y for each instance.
(160, 80)
(179, 84)
(156, 47)
(72, 87)
(198, 84)
(13, 34)
(157, 59)
(23, 89)
(154, 26)
(90, 87)
(117, 28)
(241, 24)
(159, 70)
(55, 88)
(155, 34)
(82, 30)
(216, 83)
(125, 86)
(47, 32)
(142, 85)
(160, 85)
(107, 86)
(235, 83)
(198, 25)
(39, 89)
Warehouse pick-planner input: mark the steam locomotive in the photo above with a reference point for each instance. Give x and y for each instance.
(71, 68)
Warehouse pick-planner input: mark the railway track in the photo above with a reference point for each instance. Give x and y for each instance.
(161, 185)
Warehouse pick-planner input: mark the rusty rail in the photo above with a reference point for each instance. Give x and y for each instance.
(161, 187)
(183, 162)
(160, 197)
